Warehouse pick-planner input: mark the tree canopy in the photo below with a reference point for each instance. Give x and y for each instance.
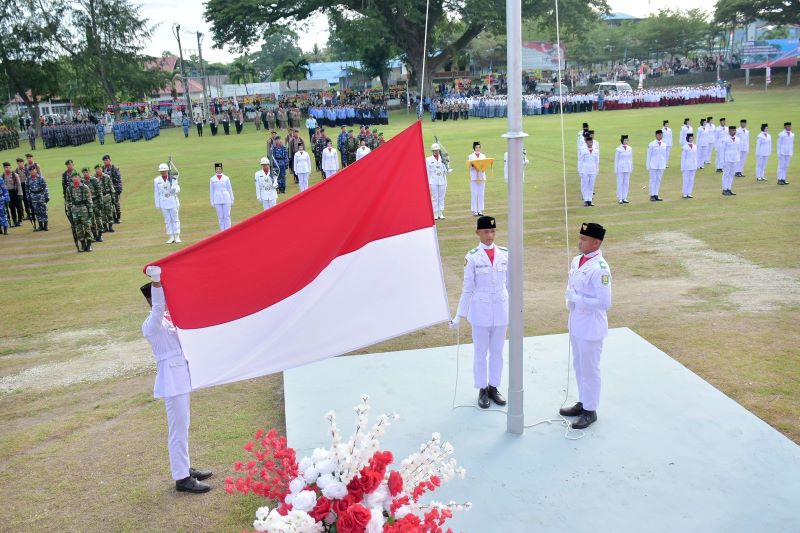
(739, 12)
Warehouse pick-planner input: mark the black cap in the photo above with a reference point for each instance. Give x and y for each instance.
(702, 120)
(590, 229)
(787, 123)
(106, 157)
(68, 161)
(709, 118)
(743, 121)
(763, 126)
(659, 131)
(20, 160)
(485, 222)
(622, 138)
(665, 122)
(147, 290)
(689, 135)
(217, 165)
(722, 119)
(590, 132)
(6, 164)
(686, 120)
(585, 125)
(732, 128)
(475, 143)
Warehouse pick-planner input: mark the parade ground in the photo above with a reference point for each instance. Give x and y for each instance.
(708, 288)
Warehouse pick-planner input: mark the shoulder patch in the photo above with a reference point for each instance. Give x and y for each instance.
(603, 264)
(605, 279)
(473, 251)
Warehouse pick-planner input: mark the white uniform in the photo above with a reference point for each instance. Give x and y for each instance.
(590, 286)
(719, 140)
(330, 161)
(588, 167)
(763, 151)
(744, 147)
(689, 162)
(222, 199)
(686, 130)
(477, 185)
(484, 302)
(667, 138)
(302, 168)
(166, 198)
(525, 163)
(623, 166)
(785, 152)
(730, 160)
(362, 151)
(173, 382)
(267, 188)
(656, 163)
(437, 180)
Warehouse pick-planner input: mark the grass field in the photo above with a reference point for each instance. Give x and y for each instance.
(712, 281)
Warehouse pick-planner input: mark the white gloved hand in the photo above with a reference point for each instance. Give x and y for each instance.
(154, 272)
(571, 295)
(455, 322)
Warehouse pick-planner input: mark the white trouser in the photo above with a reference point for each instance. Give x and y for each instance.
(706, 155)
(669, 149)
(477, 188)
(586, 362)
(655, 180)
(623, 185)
(329, 173)
(761, 165)
(488, 340)
(587, 185)
(742, 157)
(720, 162)
(178, 435)
(437, 198)
(688, 181)
(783, 166)
(223, 215)
(302, 180)
(266, 204)
(728, 170)
(171, 221)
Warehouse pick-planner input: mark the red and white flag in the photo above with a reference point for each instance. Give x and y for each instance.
(352, 261)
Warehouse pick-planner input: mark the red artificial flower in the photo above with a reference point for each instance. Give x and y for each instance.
(354, 519)
(249, 446)
(321, 509)
(340, 506)
(395, 483)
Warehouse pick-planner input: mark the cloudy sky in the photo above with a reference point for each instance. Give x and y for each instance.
(189, 14)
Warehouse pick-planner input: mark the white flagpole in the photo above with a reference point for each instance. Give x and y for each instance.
(516, 271)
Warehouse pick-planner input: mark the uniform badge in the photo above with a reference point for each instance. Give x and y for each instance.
(605, 279)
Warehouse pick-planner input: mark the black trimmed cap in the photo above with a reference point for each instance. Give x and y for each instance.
(147, 289)
(660, 131)
(731, 127)
(591, 229)
(106, 157)
(477, 143)
(585, 125)
(485, 222)
(689, 136)
(67, 162)
(764, 126)
(787, 123)
(217, 165)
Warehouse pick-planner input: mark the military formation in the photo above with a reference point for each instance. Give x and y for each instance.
(136, 129)
(62, 135)
(9, 138)
(368, 114)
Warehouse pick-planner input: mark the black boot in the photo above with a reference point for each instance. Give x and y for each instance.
(87, 247)
(98, 237)
(45, 227)
(5, 230)
(111, 228)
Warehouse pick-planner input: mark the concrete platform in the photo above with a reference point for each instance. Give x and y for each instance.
(669, 453)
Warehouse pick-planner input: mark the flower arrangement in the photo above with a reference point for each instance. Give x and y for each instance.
(347, 488)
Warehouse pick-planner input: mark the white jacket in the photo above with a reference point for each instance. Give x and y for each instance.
(437, 171)
(667, 135)
(484, 294)
(362, 151)
(474, 174)
(330, 160)
(592, 283)
(656, 155)
(686, 130)
(266, 186)
(743, 134)
(166, 193)
(172, 370)
(786, 143)
(763, 144)
(588, 161)
(623, 159)
(730, 149)
(302, 162)
(689, 157)
(221, 190)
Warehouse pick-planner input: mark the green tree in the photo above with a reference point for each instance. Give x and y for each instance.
(741, 12)
(242, 71)
(293, 70)
(362, 39)
(28, 57)
(276, 48)
(241, 23)
(674, 32)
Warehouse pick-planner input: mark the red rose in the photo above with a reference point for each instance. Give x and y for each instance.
(340, 506)
(395, 483)
(354, 519)
(321, 509)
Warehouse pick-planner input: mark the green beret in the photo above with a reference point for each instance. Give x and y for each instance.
(98, 166)
(85, 169)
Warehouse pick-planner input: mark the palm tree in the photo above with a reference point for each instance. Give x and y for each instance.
(292, 70)
(242, 71)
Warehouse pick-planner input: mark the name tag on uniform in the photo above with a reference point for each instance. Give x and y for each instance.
(482, 269)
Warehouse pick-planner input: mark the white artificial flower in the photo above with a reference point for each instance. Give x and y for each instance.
(260, 525)
(402, 511)
(304, 464)
(262, 512)
(325, 466)
(335, 490)
(320, 454)
(378, 498)
(310, 474)
(375, 524)
(304, 500)
(297, 484)
(324, 480)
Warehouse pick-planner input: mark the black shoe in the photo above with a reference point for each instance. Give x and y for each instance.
(483, 398)
(495, 395)
(731, 193)
(724, 192)
(200, 475)
(190, 484)
(652, 198)
(783, 182)
(575, 410)
(111, 228)
(45, 227)
(657, 199)
(99, 238)
(689, 196)
(719, 170)
(625, 202)
(586, 419)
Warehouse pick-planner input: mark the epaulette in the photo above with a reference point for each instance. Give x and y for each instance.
(473, 250)
(603, 264)
(503, 248)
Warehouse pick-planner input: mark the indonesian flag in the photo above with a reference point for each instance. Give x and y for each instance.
(352, 261)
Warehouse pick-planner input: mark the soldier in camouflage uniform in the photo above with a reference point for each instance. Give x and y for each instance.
(66, 176)
(116, 179)
(39, 196)
(351, 145)
(98, 216)
(109, 195)
(78, 199)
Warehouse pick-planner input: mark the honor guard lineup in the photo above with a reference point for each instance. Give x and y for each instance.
(136, 129)
(348, 115)
(9, 138)
(68, 135)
